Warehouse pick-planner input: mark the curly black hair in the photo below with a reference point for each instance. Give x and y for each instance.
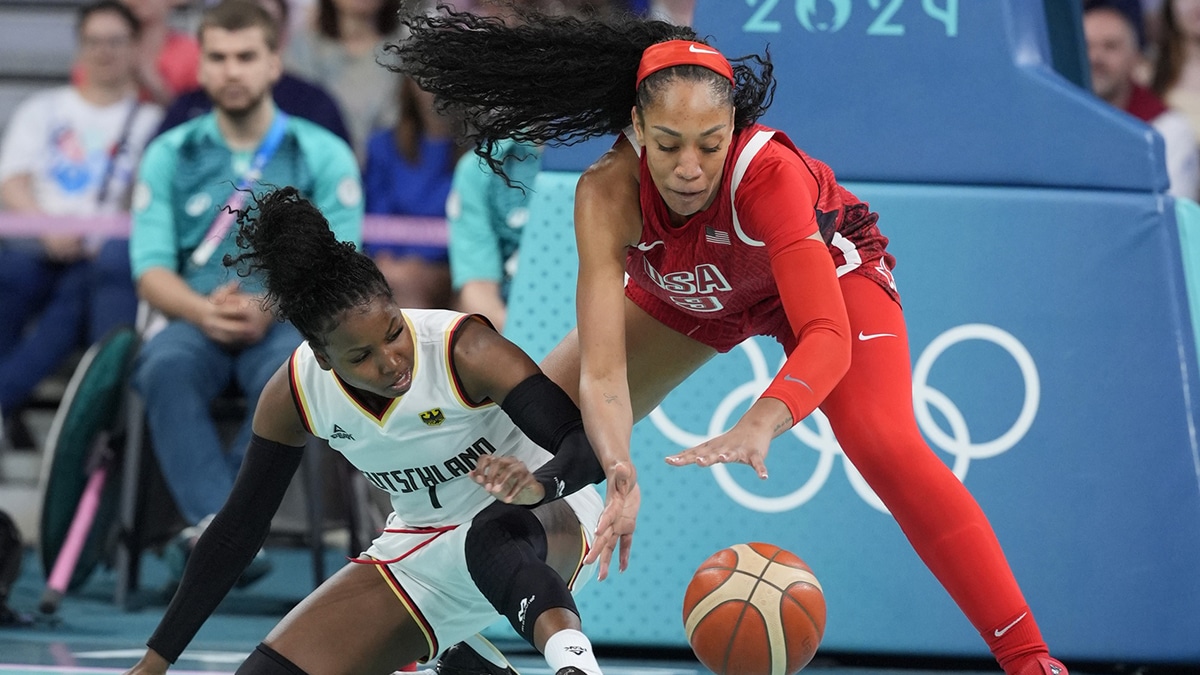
(554, 79)
(311, 276)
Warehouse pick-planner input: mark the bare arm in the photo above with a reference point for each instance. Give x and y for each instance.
(167, 292)
(488, 365)
(607, 221)
(492, 367)
(17, 194)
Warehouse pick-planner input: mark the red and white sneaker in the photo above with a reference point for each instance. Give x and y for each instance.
(1044, 665)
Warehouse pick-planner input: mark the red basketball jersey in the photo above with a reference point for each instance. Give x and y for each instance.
(711, 278)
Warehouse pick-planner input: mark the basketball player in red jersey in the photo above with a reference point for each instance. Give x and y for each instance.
(726, 231)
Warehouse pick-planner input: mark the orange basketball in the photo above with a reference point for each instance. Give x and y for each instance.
(754, 609)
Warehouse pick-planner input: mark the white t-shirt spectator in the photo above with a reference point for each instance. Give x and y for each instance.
(1183, 161)
(67, 144)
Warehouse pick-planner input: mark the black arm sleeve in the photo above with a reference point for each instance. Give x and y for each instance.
(228, 544)
(551, 419)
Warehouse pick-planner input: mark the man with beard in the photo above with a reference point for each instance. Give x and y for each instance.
(1112, 45)
(294, 95)
(216, 332)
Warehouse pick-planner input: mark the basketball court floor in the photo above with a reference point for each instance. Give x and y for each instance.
(89, 634)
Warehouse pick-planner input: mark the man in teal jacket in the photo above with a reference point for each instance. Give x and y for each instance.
(216, 333)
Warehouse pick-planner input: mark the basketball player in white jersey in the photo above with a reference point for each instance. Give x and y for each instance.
(485, 460)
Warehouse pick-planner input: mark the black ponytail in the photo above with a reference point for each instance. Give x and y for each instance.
(311, 276)
(553, 79)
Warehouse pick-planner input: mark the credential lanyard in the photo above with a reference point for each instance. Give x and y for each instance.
(228, 213)
(115, 152)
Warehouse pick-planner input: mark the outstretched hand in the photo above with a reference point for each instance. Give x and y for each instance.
(508, 480)
(617, 521)
(734, 446)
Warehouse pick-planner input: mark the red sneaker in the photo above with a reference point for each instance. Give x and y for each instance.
(1044, 665)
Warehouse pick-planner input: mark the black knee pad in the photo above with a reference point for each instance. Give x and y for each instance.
(506, 556)
(266, 661)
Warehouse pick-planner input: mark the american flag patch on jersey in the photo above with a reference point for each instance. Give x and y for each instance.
(714, 236)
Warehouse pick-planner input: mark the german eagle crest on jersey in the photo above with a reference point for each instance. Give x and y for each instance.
(433, 417)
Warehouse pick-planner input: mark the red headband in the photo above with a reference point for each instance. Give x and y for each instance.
(680, 53)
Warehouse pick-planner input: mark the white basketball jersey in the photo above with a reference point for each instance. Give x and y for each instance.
(421, 447)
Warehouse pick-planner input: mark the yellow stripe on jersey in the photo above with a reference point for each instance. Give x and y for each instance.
(582, 554)
(455, 384)
(380, 419)
(418, 618)
(302, 405)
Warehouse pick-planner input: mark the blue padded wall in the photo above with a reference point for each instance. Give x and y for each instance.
(937, 91)
(1057, 365)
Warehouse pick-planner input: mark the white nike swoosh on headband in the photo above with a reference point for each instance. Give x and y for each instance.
(696, 50)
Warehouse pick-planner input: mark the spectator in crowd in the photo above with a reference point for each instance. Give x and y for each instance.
(1134, 11)
(167, 58)
(1114, 56)
(486, 216)
(70, 150)
(339, 50)
(217, 332)
(293, 95)
(1176, 72)
(408, 173)
(676, 11)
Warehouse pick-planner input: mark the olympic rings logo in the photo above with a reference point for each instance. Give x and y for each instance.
(956, 441)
